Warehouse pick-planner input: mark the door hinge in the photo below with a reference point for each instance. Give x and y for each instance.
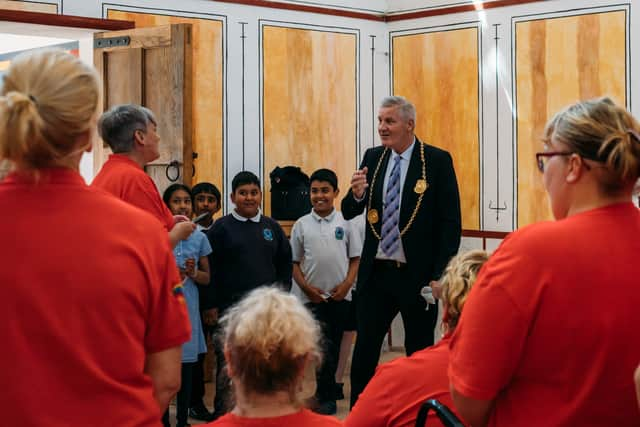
(111, 42)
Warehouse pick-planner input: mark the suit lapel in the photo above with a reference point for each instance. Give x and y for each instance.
(376, 191)
(409, 197)
(378, 197)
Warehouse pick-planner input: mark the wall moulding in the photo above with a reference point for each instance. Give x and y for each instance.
(455, 9)
(376, 16)
(64, 20)
(308, 9)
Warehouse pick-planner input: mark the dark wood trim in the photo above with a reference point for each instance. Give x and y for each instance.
(485, 234)
(455, 9)
(309, 9)
(65, 20)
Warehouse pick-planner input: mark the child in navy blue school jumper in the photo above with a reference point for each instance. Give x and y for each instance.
(249, 250)
(326, 253)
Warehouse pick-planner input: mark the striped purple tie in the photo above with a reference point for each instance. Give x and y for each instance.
(390, 236)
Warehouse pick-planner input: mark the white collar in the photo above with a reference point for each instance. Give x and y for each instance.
(237, 216)
(406, 154)
(327, 218)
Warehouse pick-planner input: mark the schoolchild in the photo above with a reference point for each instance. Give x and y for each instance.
(191, 257)
(326, 252)
(249, 250)
(206, 199)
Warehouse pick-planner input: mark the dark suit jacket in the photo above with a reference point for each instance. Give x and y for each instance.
(434, 236)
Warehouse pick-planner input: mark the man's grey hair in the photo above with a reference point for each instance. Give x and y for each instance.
(407, 110)
(117, 126)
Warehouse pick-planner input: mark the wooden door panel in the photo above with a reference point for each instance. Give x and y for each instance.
(558, 62)
(160, 72)
(208, 87)
(123, 79)
(152, 67)
(29, 6)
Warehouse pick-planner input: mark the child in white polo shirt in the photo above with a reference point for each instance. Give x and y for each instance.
(326, 252)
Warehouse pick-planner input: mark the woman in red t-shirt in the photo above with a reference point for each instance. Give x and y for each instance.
(549, 333)
(398, 389)
(93, 320)
(269, 339)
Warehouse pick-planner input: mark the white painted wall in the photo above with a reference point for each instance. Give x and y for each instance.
(15, 43)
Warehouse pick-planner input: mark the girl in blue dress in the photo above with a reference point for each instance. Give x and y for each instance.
(191, 257)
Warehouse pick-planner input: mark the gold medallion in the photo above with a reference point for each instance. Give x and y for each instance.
(421, 186)
(372, 216)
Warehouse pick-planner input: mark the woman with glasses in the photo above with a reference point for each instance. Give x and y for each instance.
(549, 333)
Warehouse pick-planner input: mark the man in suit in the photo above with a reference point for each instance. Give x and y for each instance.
(410, 192)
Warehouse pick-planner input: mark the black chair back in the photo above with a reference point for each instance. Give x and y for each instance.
(447, 417)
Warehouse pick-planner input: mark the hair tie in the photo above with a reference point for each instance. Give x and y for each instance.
(33, 98)
(634, 134)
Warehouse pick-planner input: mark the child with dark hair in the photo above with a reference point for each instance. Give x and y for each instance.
(206, 198)
(326, 254)
(191, 256)
(249, 250)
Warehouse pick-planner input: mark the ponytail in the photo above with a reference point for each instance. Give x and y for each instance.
(48, 99)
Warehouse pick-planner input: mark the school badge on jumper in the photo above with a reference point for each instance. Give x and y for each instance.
(339, 233)
(267, 234)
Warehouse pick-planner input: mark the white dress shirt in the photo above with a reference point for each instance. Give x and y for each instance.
(405, 158)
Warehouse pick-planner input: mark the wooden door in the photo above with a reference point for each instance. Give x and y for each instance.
(152, 67)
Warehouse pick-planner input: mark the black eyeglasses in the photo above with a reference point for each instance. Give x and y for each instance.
(541, 157)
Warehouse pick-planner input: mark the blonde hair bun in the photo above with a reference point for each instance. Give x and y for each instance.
(456, 282)
(47, 100)
(269, 336)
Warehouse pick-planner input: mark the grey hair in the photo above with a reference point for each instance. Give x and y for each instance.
(407, 110)
(118, 125)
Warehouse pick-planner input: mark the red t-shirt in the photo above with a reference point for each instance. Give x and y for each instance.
(126, 180)
(304, 418)
(398, 389)
(88, 292)
(550, 328)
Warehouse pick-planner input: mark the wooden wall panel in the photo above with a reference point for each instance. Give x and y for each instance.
(560, 61)
(27, 6)
(207, 89)
(309, 103)
(438, 73)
